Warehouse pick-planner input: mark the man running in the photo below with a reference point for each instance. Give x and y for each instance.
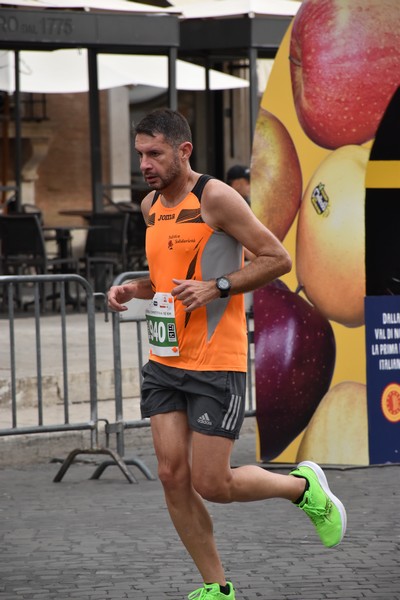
(194, 383)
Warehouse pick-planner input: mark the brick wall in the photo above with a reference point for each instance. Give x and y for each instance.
(64, 174)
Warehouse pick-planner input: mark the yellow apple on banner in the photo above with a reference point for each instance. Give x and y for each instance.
(276, 180)
(338, 430)
(330, 236)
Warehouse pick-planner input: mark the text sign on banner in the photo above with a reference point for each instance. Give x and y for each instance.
(382, 329)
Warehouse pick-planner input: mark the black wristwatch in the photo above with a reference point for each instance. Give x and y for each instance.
(224, 286)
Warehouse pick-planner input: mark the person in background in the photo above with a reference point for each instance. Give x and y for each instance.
(194, 383)
(238, 177)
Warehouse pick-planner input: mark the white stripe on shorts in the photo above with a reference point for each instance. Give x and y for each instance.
(232, 413)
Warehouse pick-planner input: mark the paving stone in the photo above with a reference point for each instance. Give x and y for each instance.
(110, 540)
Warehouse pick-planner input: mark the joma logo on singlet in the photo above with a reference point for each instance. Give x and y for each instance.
(166, 217)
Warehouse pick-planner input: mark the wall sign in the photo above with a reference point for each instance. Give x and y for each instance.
(382, 329)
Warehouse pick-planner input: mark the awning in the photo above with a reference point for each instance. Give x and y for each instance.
(66, 71)
(89, 5)
(234, 8)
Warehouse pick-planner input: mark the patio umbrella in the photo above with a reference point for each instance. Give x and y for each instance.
(89, 5)
(66, 71)
(233, 8)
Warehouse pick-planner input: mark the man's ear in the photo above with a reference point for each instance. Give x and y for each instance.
(186, 149)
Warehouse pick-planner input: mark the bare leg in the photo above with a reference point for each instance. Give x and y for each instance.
(172, 441)
(216, 481)
(196, 466)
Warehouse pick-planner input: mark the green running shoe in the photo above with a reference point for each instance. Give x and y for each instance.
(325, 510)
(211, 591)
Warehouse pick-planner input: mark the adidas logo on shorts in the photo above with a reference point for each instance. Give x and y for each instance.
(204, 419)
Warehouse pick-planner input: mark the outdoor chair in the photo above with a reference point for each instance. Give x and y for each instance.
(136, 254)
(106, 249)
(136, 234)
(23, 251)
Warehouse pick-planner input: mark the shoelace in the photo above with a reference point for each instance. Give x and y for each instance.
(318, 513)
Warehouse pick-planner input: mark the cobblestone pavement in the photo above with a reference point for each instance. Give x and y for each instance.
(107, 539)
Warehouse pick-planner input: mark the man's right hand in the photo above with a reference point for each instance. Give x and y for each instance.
(119, 294)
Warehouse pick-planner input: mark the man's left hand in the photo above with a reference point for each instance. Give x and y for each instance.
(193, 293)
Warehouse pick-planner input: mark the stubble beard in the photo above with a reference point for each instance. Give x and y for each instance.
(173, 172)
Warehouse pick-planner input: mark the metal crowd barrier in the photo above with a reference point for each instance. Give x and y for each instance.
(84, 301)
(12, 291)
(136, 316)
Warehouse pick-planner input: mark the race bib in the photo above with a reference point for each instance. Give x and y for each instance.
(161, 325)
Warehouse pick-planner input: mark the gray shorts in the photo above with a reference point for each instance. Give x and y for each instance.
(213, 400)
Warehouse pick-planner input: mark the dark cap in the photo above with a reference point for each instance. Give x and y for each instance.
(238, 172)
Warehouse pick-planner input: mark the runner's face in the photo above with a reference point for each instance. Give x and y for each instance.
(159, 161)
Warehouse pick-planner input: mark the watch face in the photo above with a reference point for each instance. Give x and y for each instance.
(223, 283)
(224, 286)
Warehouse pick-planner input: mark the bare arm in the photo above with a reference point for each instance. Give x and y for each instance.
(137, 288)
(225, 210)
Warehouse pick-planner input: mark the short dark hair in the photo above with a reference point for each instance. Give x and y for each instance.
(170, 123)
(238, 172)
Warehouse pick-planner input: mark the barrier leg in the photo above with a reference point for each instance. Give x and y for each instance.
(116, 460)
(130, 461)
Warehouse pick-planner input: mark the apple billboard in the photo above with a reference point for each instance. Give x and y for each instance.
(334, 76)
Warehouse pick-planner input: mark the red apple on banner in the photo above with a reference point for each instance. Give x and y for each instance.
(295, 354)
(276, 179)
(345, 67)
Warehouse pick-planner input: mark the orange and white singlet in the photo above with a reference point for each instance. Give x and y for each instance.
(179, 245)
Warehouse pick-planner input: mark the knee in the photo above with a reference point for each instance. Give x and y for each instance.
(214, 489)
(173, 477)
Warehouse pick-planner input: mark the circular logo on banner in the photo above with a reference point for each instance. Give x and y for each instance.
(390, 402)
